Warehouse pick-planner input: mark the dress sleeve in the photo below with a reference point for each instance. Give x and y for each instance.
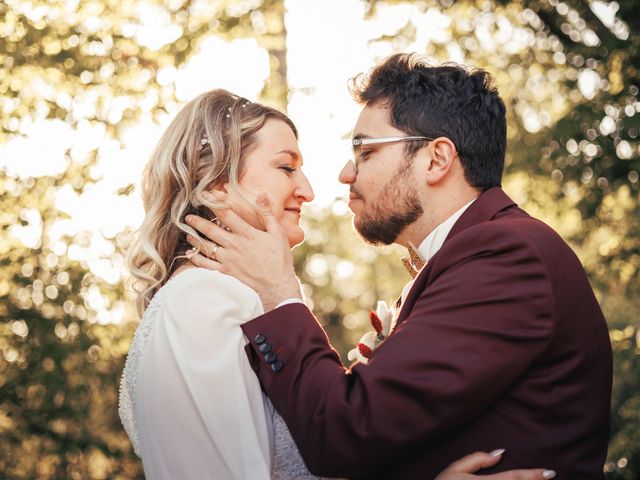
(204, 312)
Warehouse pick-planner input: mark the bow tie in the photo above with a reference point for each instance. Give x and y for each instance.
(414, 262)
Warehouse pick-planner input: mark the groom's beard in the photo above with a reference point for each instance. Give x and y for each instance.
(396, 207)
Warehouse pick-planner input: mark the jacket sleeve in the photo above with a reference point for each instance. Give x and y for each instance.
(482, 318)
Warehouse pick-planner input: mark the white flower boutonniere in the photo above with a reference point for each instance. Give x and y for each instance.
(382, 320)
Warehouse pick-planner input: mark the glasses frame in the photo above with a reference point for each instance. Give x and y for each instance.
(359, 142)
(364, 141)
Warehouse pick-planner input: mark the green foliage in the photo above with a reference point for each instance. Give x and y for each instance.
(57, 54)
(624, 446)
(60, 367)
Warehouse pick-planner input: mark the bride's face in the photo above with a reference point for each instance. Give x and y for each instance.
(274, 167)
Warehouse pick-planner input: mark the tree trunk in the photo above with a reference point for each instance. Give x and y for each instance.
(275, 91)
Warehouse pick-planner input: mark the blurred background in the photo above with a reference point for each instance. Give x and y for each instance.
(87, 86)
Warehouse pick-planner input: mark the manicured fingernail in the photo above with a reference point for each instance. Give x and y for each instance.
(188, 218)
(498, 452)
(548, 474)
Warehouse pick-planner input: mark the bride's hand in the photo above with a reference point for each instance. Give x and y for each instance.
(464, 468)
(261, 259)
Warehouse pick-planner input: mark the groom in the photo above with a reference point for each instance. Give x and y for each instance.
(499, 343)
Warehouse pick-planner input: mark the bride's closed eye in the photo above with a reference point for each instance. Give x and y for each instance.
(287, 169)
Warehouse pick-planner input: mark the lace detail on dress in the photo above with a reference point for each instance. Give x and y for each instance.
(287, 461)
(126, 403)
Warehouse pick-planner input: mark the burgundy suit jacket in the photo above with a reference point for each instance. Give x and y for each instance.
(499, 344)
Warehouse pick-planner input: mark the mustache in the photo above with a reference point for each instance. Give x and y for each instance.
(354, 192)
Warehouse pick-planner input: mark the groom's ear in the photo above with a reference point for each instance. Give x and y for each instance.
(440, 156)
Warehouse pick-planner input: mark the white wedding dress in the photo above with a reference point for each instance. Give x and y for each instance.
(189, 400)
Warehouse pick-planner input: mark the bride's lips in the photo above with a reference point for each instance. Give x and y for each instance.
(293, 210)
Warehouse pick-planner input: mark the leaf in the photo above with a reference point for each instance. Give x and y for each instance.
(126, 190)
(375, 321)
(364, 350)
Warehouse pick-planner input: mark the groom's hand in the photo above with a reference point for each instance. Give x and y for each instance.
(464, 468)
(260, 259)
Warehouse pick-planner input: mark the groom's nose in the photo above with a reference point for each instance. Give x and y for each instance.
(348, 173)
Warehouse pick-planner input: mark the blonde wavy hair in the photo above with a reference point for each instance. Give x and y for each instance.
(205, 145)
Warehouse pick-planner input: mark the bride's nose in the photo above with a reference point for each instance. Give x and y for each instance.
(303, 190)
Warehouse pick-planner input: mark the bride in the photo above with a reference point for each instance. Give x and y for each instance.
(189, 400)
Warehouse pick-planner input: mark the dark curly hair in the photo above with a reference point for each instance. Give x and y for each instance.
(442, 101)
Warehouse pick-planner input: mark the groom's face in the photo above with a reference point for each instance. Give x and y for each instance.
(382, 190)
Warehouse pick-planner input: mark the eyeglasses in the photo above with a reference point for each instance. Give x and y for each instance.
(357, 143)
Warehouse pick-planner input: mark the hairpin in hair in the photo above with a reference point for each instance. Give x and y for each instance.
(243, 105)
(204, 141)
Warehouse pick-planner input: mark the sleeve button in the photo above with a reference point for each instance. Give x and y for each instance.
(277, 366)
(270, 357)
(260, 338)
(264, 348)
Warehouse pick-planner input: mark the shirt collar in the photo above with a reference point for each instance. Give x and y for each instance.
(434, 241)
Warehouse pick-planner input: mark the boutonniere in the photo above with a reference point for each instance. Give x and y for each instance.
(382, 321)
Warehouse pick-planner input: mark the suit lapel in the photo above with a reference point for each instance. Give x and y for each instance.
(487, 207)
